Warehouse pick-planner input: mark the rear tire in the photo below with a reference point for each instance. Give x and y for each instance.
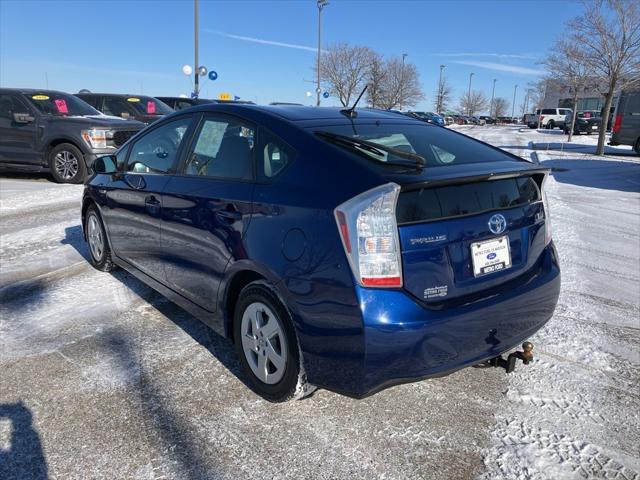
(99, 250)
(637, 146)
(67, 165)
(551, 125)
(267, 345)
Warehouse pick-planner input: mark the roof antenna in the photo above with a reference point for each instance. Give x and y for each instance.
(350, 112)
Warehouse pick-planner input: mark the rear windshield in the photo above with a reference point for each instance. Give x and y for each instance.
(437, 145)
(466, 199)
(60, 104)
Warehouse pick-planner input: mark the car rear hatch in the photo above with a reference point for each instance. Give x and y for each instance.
(461, 235)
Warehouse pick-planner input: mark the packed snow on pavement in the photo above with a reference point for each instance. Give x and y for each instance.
(100, 377)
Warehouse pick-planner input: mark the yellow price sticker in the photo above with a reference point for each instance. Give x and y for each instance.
(224, 96)
(133, 99)
(40, 97)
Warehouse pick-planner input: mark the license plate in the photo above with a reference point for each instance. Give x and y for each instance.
(490, 256)
(594, 127)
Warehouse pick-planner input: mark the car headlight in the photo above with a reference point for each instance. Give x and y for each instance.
(96, 138)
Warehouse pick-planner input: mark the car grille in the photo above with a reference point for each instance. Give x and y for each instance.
(120, 137)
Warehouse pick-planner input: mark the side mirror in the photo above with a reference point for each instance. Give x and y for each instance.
(106, 164)
(22, 118)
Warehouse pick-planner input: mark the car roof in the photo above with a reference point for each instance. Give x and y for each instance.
(296, 113)
(27, 91)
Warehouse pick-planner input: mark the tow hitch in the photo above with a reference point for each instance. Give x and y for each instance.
(510, 363)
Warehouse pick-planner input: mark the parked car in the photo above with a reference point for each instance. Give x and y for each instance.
(586, 122)
(553, 117)
(180, 103)
(136, 107)
(287, 103)
(429, 252)
(626, 124)
(530, 120)
(487, 120)
(449, 120)
(429, 117)
(46, 130)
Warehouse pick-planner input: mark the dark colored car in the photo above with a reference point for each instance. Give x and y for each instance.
(350, 251)
(488, 120)
(180, 103)
(626, 123)
(429, 117)
(136, 107)
(586, 122)
(46, 130)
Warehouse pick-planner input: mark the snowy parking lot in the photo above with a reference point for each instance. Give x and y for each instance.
(101, 377)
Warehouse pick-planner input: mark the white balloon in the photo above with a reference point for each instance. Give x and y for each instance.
(187, 70)
(308, 94)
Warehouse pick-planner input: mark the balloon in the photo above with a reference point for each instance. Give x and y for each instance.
(308, 94)
(187, 70)
(202, 71)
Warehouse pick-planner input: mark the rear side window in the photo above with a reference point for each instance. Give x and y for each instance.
(223, 149)
(549, 111)
(274, 155)
(438, 146)
(157, 151)
(466, 199)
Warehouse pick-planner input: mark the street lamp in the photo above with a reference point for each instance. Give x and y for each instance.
(196, 85)
(493, 93)
(513, 107)
(321, 5)
(440, 92)
(469, 95)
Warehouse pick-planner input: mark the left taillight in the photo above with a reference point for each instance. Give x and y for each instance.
(547, 216)
(369, 233)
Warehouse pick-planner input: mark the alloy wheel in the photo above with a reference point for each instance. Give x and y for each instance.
(66, 165)
(94, 236)
(263, 343)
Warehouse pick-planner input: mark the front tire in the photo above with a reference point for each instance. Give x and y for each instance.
(267, 346)
(99, 250)
(67, 165)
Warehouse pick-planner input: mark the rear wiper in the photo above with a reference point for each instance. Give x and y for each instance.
(415, 160)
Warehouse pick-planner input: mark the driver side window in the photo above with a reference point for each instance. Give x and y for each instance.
(157, 151)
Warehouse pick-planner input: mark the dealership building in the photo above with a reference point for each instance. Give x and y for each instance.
(560, 95)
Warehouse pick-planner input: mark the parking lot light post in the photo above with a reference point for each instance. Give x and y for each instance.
(440, 92)
(404, 55)
(196, 87)
(321, 5)
(493, 94)
(469, 95)
(513, 107)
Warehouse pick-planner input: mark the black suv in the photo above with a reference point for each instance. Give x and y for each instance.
(137, 107)
(48, 130)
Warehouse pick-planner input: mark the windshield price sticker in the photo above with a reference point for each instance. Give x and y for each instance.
(40, 97)
(133, 99)
(151, 107)
(61, 105)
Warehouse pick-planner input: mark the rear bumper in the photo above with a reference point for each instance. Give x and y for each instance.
(405, 341)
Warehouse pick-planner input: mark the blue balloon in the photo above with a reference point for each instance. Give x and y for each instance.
(213, 75)
(325, 94)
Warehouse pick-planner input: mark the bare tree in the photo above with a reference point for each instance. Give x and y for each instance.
(609, 31)
(375, 78)
(443, 96)
(473, 103)
(400, 85)
(568, 65)
(344, 69)
(500, 107)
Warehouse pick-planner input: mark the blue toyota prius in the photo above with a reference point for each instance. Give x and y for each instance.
(344, 249)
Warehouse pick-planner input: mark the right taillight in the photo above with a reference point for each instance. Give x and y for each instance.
(547, 216)
(369, 232)
(617, 124)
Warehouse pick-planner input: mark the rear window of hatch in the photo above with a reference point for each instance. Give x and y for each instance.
(449, 201)
(438, 146)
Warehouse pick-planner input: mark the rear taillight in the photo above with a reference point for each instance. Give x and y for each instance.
(369, 232)
(617, 124)
(547, 216)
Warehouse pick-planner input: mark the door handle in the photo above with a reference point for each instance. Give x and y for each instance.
(230, 214)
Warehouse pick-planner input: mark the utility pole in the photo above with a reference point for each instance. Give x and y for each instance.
(404, 55)
(513, 107)
(196, 73)
(321, 4)
(493, 94)
(469, 94)
(440, 92)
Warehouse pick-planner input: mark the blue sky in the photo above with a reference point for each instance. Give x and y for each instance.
(264, 50)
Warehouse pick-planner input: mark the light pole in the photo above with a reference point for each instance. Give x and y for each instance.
(196, 73)
(513, 107)
(440, 92)
(469, 95)
(493, 94)
(321, 5)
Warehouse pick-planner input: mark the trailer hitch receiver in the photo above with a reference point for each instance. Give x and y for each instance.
(526, 355)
